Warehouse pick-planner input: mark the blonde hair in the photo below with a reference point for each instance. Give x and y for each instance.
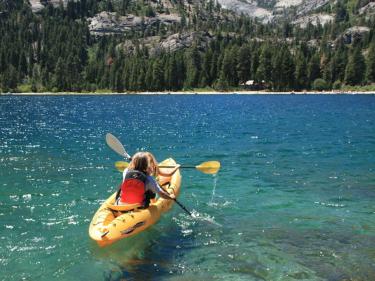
(144, 162)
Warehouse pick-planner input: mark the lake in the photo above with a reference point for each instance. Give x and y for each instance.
(294, 199)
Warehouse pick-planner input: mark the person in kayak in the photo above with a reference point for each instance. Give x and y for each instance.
(138, 185)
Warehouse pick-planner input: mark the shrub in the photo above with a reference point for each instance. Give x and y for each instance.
(320, 85)
(337, 85)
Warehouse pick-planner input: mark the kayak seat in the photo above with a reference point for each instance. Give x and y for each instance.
(124, 207)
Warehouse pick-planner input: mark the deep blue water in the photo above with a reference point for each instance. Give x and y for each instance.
(294, 199)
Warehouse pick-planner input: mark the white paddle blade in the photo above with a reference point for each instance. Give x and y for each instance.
(116, 145)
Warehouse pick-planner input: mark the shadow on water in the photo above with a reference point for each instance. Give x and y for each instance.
(147, 256)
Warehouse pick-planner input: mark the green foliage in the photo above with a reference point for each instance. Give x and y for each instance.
(355, 69)
(336, 85)
(370, 74)
(320, 85)
(54, 50)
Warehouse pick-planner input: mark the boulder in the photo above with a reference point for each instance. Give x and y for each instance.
(354, 33)
(369, 9)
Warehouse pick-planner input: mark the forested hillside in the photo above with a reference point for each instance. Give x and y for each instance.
(138, 45)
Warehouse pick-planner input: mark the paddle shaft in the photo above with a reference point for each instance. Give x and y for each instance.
(183, 166)
(178, 203)
(182, 207)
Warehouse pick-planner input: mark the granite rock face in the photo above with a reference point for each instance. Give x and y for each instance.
(250, 8)
(354, 33)
(106, 23)
(172, 43)
(369, 9)
(36, 5)
(314, 19)
(247, 7)
(310, 5)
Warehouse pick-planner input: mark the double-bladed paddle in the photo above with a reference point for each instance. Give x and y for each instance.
(117, 146)
(209, 167)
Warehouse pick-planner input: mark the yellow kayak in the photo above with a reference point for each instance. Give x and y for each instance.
(112, 223)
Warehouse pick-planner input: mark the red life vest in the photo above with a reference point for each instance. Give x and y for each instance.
(133, 188)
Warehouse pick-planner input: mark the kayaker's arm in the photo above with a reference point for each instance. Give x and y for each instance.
(152, 185)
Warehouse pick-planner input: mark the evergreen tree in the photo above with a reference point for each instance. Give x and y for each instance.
(157, 76)
(10, 79)
(300, 73)
(370, 73)
(288, 68)
(149, 77)
(60, 75)
(264, 71)
(313, 68)
(338, 63)
(244, 64)
(206, 73)
(193, 68)
(355, 69)
(228, 74)
(171, 77)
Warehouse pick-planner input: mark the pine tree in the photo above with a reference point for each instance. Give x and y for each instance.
(193, 68)
(313, 68)
(300, 73)
(171, 73)
(60, 75)
(288, 68)
(141, 78)
(356, 67)
(206, 73)
(370, 73)
(149, 78)
(10, 79)
(244, 64)
(157, 76)
(228, 74)
(264, 71)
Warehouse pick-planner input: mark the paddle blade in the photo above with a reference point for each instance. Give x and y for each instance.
(121, 165)
(116, 145)
(209, 167)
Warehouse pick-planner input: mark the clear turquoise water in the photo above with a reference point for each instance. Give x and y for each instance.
(294, 199)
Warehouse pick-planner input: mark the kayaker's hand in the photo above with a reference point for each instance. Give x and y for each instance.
(172, 196)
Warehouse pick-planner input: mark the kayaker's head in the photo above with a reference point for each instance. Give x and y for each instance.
(144, 162)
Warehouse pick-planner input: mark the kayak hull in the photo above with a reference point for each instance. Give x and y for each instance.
(109, 226)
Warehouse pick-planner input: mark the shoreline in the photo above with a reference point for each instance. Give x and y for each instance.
(192, 93)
